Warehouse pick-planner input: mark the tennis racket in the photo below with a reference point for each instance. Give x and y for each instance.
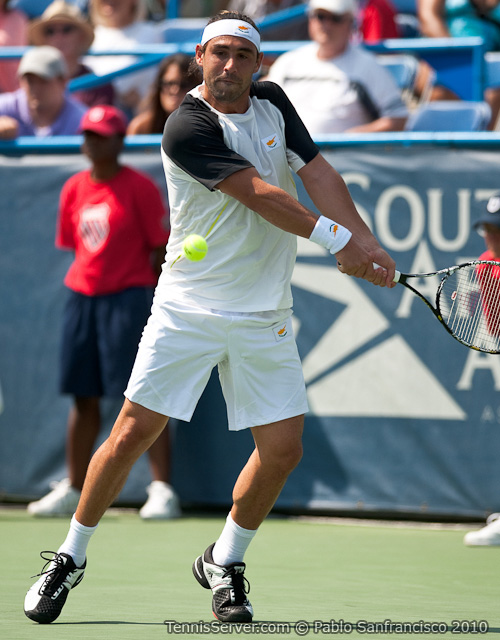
(467, 302)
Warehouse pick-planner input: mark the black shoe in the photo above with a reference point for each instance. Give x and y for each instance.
(229, 588)
(44, 601)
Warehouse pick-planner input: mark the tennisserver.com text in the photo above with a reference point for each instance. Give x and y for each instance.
(328, 627)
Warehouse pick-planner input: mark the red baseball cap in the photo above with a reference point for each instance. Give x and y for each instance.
(104, 120)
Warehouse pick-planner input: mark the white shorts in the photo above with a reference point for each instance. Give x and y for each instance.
(259, 365)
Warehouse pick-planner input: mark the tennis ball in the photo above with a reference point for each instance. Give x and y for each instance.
(195, 247)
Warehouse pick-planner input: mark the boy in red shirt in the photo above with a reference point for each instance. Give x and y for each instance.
(112, 217)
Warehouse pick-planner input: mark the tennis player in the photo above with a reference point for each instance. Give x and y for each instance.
(228, 152)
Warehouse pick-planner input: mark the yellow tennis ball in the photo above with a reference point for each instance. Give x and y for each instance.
(195, 247)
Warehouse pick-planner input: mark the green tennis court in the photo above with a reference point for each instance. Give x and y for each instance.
(328, 573)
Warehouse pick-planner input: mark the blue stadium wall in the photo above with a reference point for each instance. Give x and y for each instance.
(403, 420)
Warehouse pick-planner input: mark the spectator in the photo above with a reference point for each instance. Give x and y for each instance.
(62, 25)
(34, 8)
(176, 76)
(377, 20)
(112, 217)
(121, 26)
(336, 85)
(259, 9)
(156, 10)
(456, 18)
(488, 226)
(40, 107)
(13, 33)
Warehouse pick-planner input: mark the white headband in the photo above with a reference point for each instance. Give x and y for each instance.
(231, 28)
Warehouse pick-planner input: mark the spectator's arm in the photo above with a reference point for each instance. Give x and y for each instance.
(431, 17)
(381, 124)
(9, 128)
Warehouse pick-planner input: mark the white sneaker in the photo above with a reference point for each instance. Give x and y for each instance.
(488, 536)
(162, 503)
(61, 501)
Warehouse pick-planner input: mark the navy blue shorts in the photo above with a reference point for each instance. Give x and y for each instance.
(100, 339)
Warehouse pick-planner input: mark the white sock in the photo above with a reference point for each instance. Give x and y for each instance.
(232, 543)
(77, 541)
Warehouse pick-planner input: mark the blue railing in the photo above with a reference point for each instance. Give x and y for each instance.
(459, 62)
(71, 144)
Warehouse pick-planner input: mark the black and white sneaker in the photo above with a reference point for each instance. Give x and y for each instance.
(229, 587)
(44, 601)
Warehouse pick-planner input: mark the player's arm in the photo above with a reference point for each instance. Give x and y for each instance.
(331, 197)
(279, 208)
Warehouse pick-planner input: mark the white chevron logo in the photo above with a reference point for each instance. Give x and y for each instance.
(416, 393)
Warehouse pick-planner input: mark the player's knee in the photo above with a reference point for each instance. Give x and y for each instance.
(126, 442)
(288, 456)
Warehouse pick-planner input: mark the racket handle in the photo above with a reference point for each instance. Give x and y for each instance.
(397, 274)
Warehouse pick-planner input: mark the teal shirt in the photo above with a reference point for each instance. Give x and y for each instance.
(462, 20)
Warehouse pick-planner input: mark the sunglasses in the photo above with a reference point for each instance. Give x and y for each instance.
(336, 18)
(168, 85)
(65, 29)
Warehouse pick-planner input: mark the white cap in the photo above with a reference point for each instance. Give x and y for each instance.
(46, 62)
(334, 6)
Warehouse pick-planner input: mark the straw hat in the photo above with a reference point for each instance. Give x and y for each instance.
(60, 11)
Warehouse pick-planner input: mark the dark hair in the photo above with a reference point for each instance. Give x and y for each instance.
(232, 15)
(152, 103)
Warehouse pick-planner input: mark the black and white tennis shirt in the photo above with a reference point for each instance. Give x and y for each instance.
(249, 262)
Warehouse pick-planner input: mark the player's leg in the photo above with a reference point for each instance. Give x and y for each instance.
(135, 429)
(278, 450)
(264, 388)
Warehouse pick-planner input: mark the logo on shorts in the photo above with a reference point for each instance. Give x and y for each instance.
(280, 332)
(94, 226)
(271, 142)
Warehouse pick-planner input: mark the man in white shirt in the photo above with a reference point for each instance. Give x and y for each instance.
(336, 85)
(227, 153)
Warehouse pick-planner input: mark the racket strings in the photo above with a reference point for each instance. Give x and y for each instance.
(469, 303)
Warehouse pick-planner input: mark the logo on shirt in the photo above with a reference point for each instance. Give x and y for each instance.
(271, 142)
(280, 332)
(94, 226)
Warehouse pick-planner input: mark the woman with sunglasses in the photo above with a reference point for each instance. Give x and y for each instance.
(176, 76)
(63, 26)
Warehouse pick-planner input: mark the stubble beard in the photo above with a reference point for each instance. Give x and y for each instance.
(223, 92)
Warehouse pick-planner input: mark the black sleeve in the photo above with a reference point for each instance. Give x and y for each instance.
(194, 141)
(297, 136)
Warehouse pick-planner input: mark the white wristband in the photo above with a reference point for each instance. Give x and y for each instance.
(330, 234)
